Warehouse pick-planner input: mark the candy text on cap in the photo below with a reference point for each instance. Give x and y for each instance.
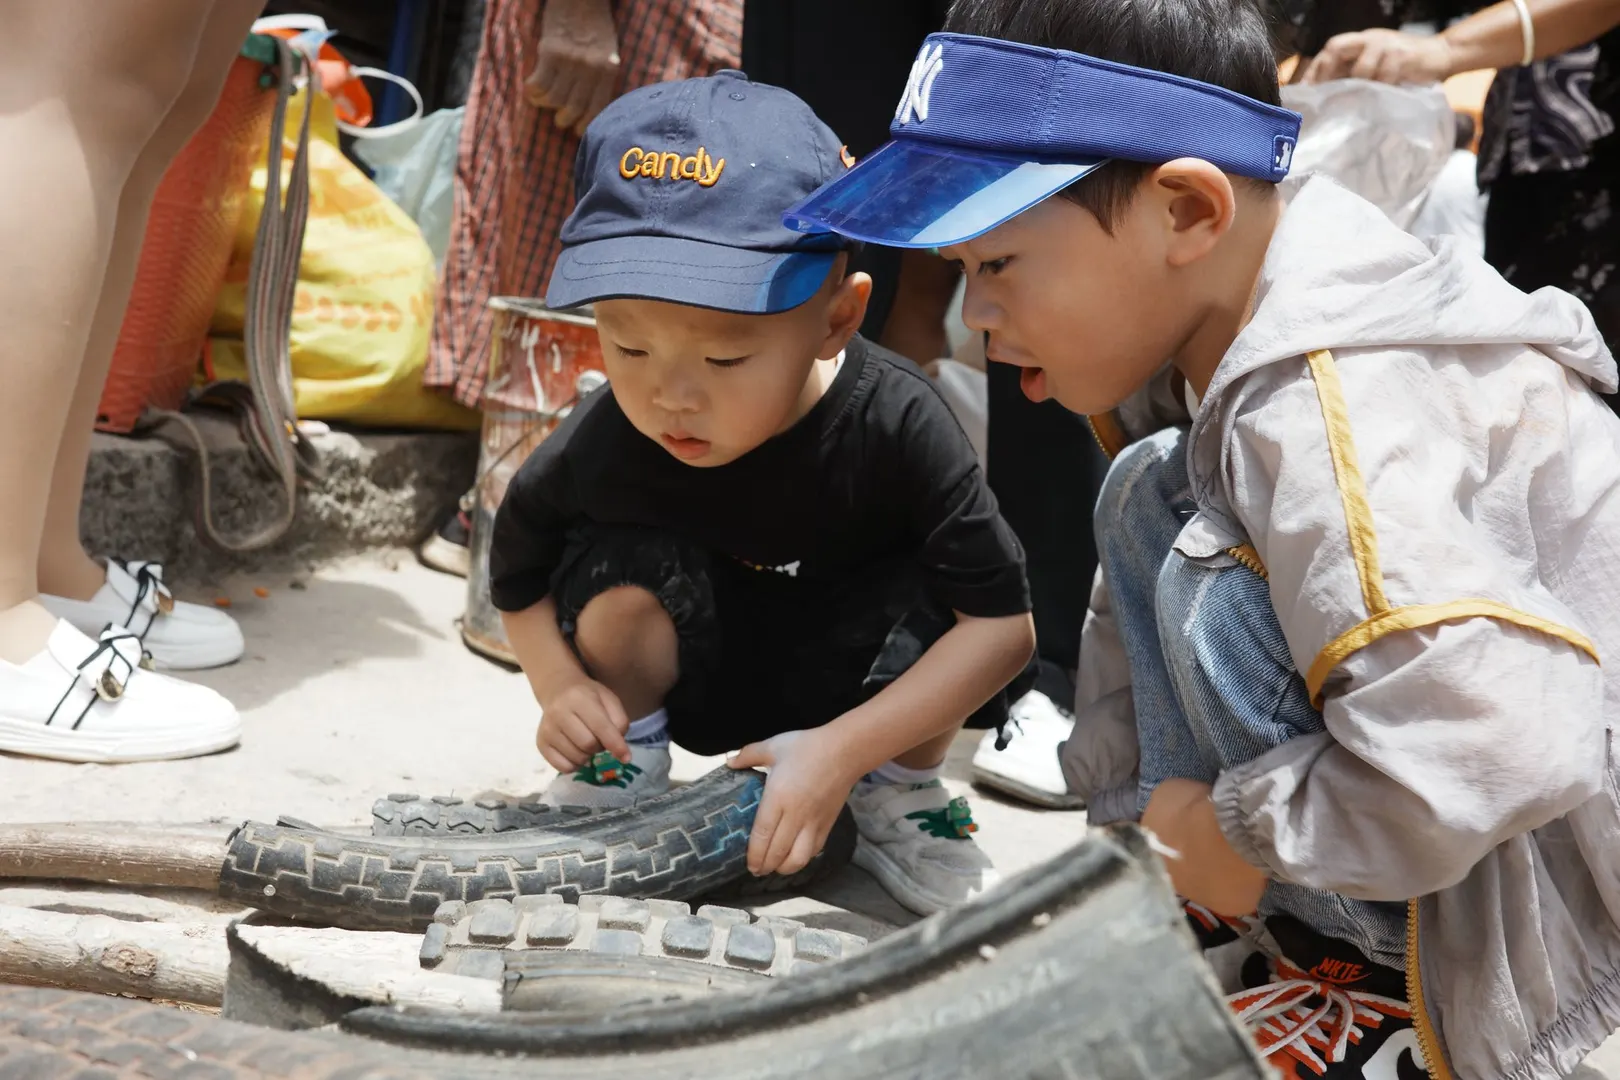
(669, 165)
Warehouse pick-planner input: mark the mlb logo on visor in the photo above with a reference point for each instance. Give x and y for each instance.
(924, 70)
(1284, 157)
(986, 129)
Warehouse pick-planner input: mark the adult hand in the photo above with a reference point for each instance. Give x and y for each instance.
(579, 720)
(576, 69)
(805, 792)
(1387, 56)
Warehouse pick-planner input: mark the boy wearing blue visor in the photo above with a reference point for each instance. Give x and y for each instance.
(765, 534)
(1360, 543)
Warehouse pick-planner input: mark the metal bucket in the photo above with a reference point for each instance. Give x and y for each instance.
(541, 362)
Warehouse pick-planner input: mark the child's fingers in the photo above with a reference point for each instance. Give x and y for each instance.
(573, 735)
(753, 756)
(782, 841)
(607, 725)
(759, 841)
(804, 849)
(557, 759)
(614, 708)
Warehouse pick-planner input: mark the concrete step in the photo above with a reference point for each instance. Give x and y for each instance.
(379, 490)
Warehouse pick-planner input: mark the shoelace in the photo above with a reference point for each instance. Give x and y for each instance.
(1282, 1020)
(149, 583)
(108, 686)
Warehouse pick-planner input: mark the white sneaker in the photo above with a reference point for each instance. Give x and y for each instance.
(1028, 768)
(610, 784)
(178, 635)
(917, 841)
(84, 700)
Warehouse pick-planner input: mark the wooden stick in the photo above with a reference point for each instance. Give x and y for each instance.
(113, 956)
(179, 856)
(188, 963)
(146, 903)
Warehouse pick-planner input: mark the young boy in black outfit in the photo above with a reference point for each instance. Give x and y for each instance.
(766, 535)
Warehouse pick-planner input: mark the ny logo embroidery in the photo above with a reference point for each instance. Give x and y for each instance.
(926, 68)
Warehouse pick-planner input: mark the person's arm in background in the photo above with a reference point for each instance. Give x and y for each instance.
(576, 70)
(1492, 38)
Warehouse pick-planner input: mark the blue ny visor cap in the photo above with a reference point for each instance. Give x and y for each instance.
(988, 128)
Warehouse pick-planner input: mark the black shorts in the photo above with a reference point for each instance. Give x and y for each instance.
(760, 654)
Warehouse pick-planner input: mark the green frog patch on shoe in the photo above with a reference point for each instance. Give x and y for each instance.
(605, 770)
(954, 821)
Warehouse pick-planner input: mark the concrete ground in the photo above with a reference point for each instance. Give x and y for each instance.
(356, 684)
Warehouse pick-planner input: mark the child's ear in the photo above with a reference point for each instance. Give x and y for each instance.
(846, 310)
(1196, 206)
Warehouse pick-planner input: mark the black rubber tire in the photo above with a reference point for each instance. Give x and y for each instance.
(684, 845)
(1083, 967)
(438, 815)
(441, 815)
(604, 954)
(491, 938)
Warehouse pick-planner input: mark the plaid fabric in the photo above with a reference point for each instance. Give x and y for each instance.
(514, 179)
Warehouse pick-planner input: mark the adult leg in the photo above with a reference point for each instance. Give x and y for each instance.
(65, 569)
(68, 145)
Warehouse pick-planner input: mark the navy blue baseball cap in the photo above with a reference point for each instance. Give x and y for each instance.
(681, 189)
(988, 128)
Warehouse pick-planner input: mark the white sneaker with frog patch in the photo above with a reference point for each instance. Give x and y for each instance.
(606, 783)
(918, 842)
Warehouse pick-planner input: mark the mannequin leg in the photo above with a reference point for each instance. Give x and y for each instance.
(84, 85)
(65, 569)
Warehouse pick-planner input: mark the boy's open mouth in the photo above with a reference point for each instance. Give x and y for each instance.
(685, 447)
(1032, 381)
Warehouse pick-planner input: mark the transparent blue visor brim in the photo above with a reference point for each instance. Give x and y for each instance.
(924, 195)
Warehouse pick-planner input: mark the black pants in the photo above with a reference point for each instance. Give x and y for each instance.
(760, 653)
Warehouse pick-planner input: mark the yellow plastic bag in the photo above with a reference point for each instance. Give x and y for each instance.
(364, 306)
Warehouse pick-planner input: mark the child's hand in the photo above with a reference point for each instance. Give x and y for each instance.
(1205, 869)
(576, 68)
(579, 720)
(807, 789)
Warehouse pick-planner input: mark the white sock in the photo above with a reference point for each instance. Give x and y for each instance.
(891, 773)
(650, 730)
